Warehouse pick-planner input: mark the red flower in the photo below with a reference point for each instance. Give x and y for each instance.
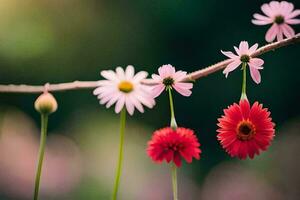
(169, 144)
(245, 131)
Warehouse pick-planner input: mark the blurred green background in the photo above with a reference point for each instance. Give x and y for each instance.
(64, 40)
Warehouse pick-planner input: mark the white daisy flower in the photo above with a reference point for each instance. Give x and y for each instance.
(125, 89)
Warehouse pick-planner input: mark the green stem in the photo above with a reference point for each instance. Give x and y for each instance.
(244, 68)
(174, 182)
(44, 124)
(119, 165)
(173, 123)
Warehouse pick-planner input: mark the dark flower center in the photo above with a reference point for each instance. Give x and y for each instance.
(168, 81)
(279, 19)
(245, 58)
(245, 130)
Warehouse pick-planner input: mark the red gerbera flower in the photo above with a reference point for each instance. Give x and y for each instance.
(245, 131)
(169, 144)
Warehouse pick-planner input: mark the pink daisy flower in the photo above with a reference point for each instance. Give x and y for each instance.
(244, 56)
(125, 89)
(244, 130)
(173, 145)
(168, 78)
(281, 15)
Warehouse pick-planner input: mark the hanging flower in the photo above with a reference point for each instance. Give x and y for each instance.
(125, 89)
(172, 145)
(244, 56)
(244, 130)
(169, 78)
(281, 15)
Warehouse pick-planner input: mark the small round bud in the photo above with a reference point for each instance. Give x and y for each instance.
(45, 103)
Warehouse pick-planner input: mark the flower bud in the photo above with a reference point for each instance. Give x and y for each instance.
(45, 103)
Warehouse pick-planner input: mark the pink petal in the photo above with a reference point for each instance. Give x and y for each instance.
(157, 90)
(244, 47)
(232, 66)
(182, 91)
(271, 33)
(229, 54)
(255, 75)
(260, 22)
(287, 30)
(184, 85)
(275, 6)
(256, 63)
(156, 77)
(267, 10)
(237, 50)
(286, 7)
(293, 14)
(262, 18)
(253, 48)
(162, 71)
(293, 21)
(280, 34)
(170, 70)
(179, 75)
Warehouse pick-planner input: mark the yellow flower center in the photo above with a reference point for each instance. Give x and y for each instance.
(125, 86)
(245, 130)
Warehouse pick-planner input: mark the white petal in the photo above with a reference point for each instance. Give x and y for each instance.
(120, 73)
(120, 104)
(110, 75)
(129, 106)
(129, 72)
(140, 76)
(136, 103)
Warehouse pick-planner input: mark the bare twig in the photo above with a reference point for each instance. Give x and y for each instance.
(76, 85)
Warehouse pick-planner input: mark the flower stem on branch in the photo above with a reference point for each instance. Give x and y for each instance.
(120, 160)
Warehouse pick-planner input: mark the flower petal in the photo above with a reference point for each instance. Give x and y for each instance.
(182, 91)
(287, 30)
(256, 63)
(293, 14)
(229, 54)
(157, 90)
(232, 66)
(253, 48)
(120, 104)
(255, 74)
(244, 47)
(129, 106)
(271, 33)
(129, 72)
(293, 21)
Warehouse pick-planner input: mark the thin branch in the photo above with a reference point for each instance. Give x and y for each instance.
(76, 85)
